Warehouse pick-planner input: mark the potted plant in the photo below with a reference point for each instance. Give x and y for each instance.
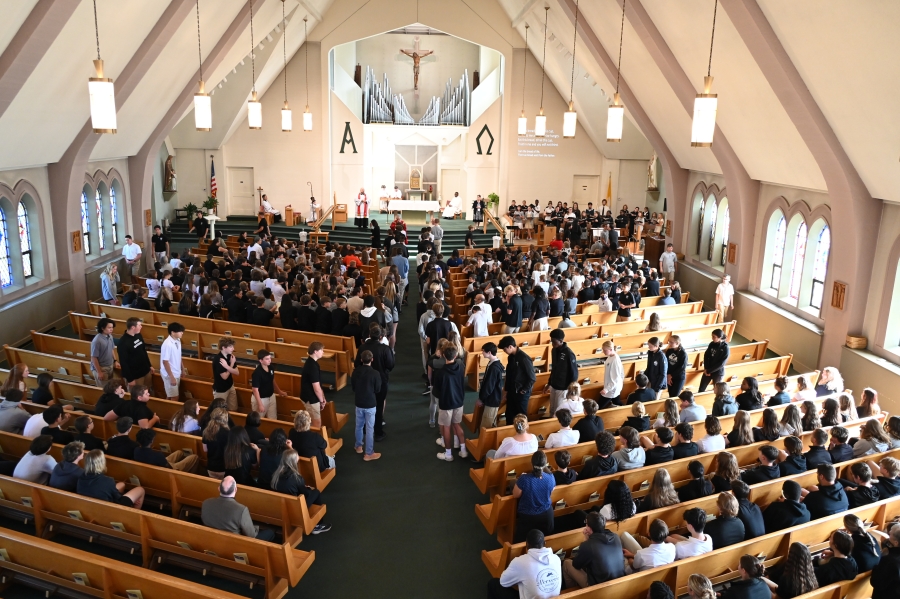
(211, 204)
(191, 209)
(493, 203)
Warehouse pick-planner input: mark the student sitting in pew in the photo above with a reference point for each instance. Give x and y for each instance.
(727, 472)
(869, 406)
(749, 398)
(251, 426)
(217, 403)
(522, 443)
(660, 494)
(787, 510)
(893, 431)
(859, 488)
(270, 456)
(790, 423)
(565, 436)
(185, 419)
(630, 454)
(36, 465)
(831, 412)
(42, 394)
(872, 439)
(638, 420)
(113, 396)
(741, 431)
(780, 397)
(65, 474)
(563, 475)
(618, 503)
(288, 480)
(573, 402)
(669, 415)
(658, 450)
(795, 577)
(136, 408)
(603, 463)
(810, 420)
(658, 553)
(590, 424)
(767, 468)
(790, 459)
(13, 417)
(838, 448)
(700, 587)
(727, 529)
(723, 403)
(866, 550)
(836, 564)
(535, 575)
(828, 497)
(714, 439)
(751, 585)
(120, 445)
(770, 429)
(643, 393)
(888, 484)
(748, 512)
(308, 443)
(225, 513)
(176, 460)
(818, 452)
(94, 483)
(690, 411)
(85, 425)
(55, 418)
(684, 446)
(698, 486)
(599, 557)
(698, 542)
(241, 456)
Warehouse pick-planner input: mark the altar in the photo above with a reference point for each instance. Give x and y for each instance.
(426, 207)
(416, 194)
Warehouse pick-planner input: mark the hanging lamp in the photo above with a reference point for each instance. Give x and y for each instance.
(540, 121)
(706, 104)
(570, 118)
(202, 101)
(307, 115)
(615, 116)
(254, 108)
(287, 123)
(523, 120)
(102, 92)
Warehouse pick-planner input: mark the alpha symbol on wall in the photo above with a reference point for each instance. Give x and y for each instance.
(478, 140)
(348, 138)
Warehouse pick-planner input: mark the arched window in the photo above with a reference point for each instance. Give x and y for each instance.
(700, 225)
(113, 215)
(6, 278)
(85, 223)
(726, 224)
(820, 268)
(25, 240)
(713, 213)
(799, 256)
(778, 254)
(99, 204)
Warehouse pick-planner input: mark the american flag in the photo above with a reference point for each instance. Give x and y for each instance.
(213, 189)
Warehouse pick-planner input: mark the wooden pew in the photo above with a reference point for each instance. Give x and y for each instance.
(161, 539)
(197, 383)
(49, 567)
(182, 492)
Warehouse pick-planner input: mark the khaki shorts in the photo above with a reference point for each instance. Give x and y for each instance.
(230, 398)
(315, 410)
(171, 391)
(446, 417)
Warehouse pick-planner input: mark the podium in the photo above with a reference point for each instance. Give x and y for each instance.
(289, 216)
(653, 249)
(340, 213)
(549, 235)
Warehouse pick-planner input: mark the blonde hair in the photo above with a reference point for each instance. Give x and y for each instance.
(94, 462)
(573, 391)
(608, 345)
(302, 421)
(218, 420)
(289, 459)
(727, 504)
(520, 423)
(701, 587)
(637, 409)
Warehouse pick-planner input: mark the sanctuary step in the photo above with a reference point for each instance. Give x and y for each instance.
(454, 232)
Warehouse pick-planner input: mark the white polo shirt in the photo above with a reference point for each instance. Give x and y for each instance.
(171, 352)
(724, 293)
(692, 547)
(562, 438)
(131, 251)
(480, 321)
(657, 554)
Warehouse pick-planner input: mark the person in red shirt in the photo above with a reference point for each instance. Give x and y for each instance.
(556, 244)
(352, 261)
(398, 224)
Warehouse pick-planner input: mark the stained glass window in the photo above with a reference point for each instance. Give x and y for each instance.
(726, 224)
(25, 240)
(799, 256)
(85, 223)
(820, 268)
(713, 212)
(700, 226)
(6, 278)
(778, 254)
(99, 203)
(113, 215)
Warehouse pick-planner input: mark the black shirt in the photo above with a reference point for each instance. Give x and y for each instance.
(261, 316)
(721, 483)
(133, 356)
(695, 489)
(137, 410)
(588, 427)
(685, 450)
(310, 445)
(887, 487)
(784, 514)
(760, 474)
(42, 396)
(59, 436)
(625, 298)
(826, 501)
(752, 517)
(90, 441)
(264, 382)
(221, 385)
(866, 551)
(148, 455)
(599, 466)
(793, 464)
(725, 531)
(565, 478)
(514, 317)
(65, 476)
(366, 384)
(242, 474)
(201, 226)
(121, 447)
(861, 496)
(816, 456)
(752, 588)
(159, 243)
(312, 373)
(659, 455)
(841, 453)
(215, 451)
(836, 570)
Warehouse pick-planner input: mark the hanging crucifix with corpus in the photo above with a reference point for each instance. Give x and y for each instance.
(417, 55)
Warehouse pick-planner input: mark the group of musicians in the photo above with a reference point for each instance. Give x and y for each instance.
(571, 221)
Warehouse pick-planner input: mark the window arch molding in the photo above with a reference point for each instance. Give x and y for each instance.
(26, 195)
(704, 232)
(889, 312)
(104, 182)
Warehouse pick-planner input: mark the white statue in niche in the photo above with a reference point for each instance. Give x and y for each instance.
(651, 174)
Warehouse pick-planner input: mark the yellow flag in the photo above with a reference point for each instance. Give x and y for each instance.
(609, 188)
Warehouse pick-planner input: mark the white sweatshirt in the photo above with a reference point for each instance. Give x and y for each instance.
(538, 574)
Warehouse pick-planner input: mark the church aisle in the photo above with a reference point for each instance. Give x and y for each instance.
(404, 526)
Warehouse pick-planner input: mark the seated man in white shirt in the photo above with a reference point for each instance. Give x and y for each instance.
(256, 247)
(696, 544)
(658, 553)
(565, 436)
(34, 426)
(537, 574)
(269, 209)
(454, 207)
(37, 465)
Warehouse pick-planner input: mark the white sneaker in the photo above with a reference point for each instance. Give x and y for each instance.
(440, 441)
(443, 456)
(463, 453)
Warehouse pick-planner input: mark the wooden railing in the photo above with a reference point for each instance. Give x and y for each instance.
(488, 217)
(321, 220)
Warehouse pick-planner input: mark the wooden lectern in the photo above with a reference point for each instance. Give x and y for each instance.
(549, 235)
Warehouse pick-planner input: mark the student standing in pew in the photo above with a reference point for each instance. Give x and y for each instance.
(224, 368)
(657, 366)
(534, 508)
(36, 465)
(449, 386)
(96, 484)
(613, 375)
(714, 360)
(535, 575)
(136, 367)
(85, 425)
(224, 513)
(265, 388)
(170, 359)
(520, 378)
(491, 391)
(564, 370)
(748, 512)
(676, 369)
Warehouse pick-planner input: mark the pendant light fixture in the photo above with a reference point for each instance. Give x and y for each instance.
(540, 121)
(570, 118)
(202, 101)
(307, 115)
(287, 123)
(706, 104)
(254, 108)
(615, 116)
(523, 120)
(102, 92)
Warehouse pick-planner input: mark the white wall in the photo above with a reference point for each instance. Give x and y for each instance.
(39, 178)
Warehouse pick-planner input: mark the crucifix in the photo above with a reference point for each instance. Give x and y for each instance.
(417, 55)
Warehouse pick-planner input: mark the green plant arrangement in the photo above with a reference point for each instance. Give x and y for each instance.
(493, 203)
(191, 209)
(211, 204)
